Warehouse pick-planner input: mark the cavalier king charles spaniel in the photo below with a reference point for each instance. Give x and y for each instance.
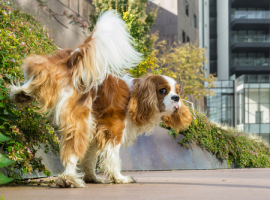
(95, 110)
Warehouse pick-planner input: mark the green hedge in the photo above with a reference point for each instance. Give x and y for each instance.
(244, 150)
(21, 35)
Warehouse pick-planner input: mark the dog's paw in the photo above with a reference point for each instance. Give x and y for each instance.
(125, 179)
(92, 179)
(69, 181)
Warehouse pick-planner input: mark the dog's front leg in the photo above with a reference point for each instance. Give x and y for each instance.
(70, 178)
(111, 164)
(89, 164)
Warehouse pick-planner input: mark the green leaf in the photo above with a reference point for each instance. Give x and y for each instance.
(3, 138)
(2, 105)
(4, 161)
(4, 179)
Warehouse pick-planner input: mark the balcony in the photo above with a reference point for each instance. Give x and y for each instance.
(250, 65)
(250, 38)
(249, 42)
(254, 19)
(241, 14)
(251, 62)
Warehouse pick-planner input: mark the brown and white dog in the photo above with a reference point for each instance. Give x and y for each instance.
(95, 110)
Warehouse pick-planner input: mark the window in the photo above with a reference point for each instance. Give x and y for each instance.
(183, 37)
(186, 8)
(187, 39)
(195, 21)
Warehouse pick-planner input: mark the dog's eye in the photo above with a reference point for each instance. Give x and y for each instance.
(163, 91)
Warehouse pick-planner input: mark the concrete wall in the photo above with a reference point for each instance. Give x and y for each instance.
(64, 34)
(223, 39)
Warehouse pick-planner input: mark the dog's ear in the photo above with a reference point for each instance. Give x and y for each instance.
(180, 119)
(143, 103)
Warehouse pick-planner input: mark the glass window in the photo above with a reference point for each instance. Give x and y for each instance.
(183, 37)
(265, 128)
(253, 113)
(264, 113)
(253, 78)
(264, 95)
(187, 39)
(246, 128)
(195, 21)
(253, 96)
(266, 137)
(187, 8)
(246, 114)
(264, 78)
(254, 128)
(240, 99)
(241, 113)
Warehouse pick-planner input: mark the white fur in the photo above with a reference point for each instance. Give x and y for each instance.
(65, 94)
(71, 166)
(70, 177)
(129, 81)
(111, 164)
(113, 47)
(168, 102)
(76, 50)
(15, 89)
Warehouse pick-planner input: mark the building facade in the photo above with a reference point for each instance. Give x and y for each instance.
(239, 51)
(177, 20)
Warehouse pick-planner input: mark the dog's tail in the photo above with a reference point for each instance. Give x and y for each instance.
(109, 49)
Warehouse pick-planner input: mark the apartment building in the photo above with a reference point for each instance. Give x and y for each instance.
(236, 35)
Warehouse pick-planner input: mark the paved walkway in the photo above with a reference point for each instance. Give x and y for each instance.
(226, 184)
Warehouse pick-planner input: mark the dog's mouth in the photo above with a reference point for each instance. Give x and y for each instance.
(175, 109)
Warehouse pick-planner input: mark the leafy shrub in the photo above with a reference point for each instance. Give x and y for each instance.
(4, 161)
(227, 143)
(21, 35)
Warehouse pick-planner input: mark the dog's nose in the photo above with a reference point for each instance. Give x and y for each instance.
(175, 98)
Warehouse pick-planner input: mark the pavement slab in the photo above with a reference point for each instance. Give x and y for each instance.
(224, 184)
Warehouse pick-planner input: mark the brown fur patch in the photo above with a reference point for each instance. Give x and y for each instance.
(110, 110)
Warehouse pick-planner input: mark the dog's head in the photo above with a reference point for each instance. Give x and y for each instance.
(154, 96)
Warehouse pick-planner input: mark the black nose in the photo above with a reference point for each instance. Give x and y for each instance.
(175, 98)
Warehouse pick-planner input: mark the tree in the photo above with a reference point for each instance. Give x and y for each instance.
(183, 63)
(138, 23)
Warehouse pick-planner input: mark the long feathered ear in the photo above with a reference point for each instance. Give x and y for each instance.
(180, 119)
(143, 103)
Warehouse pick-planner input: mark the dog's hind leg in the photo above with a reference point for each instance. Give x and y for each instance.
(77, 126)
(111, 164)
(89, 164)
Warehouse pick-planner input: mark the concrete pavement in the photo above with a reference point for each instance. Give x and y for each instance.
(226, 184)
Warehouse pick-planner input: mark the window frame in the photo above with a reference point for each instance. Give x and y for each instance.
(187, 8)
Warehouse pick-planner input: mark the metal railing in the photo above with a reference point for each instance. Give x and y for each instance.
(250, 38)
(251, 62)
(241, 14)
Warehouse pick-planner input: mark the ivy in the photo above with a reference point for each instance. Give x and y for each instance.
(21, 35)
(232, 145)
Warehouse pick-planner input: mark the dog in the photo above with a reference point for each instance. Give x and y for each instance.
(96, 111)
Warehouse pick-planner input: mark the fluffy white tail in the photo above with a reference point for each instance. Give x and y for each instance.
(107, 50)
